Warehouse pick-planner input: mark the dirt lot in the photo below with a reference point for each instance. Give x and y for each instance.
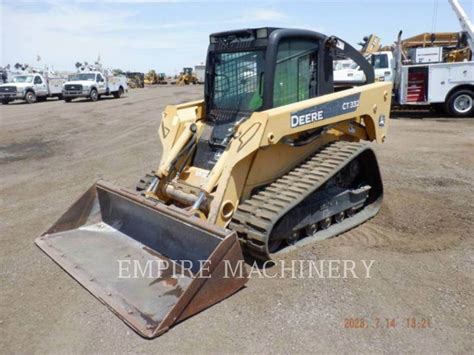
(422, 242)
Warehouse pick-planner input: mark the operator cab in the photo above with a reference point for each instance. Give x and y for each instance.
(253, 70)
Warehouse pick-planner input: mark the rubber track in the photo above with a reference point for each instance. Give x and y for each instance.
(255, 218)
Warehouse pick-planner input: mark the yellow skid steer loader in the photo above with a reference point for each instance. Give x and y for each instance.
(271, 159)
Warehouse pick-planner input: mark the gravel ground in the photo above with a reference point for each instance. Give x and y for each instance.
(421, 241)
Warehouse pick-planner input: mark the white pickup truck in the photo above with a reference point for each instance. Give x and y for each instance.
(93, 85)
(31, 88)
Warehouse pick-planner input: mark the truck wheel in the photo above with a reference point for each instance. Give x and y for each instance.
(5, 101)
(67, 99)
(94, 95)
(461, 103)
(118, 94)
(30, 97)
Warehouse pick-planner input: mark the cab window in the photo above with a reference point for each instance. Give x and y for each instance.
(238, 80)
(99, 78)
(38, 80)
(295, 72)
(380, 61)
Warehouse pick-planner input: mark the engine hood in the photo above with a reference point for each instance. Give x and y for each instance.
(18, 85)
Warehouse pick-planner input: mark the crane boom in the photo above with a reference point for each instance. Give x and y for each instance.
(464, 21)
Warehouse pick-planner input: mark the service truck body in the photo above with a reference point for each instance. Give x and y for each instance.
(427, 80)
(426, 84)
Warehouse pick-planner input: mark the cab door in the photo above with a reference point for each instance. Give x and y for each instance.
(382, 67)
(101, 87)
(295, 72)
(40, 87)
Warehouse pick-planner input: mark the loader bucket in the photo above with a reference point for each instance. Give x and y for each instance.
(150, 264)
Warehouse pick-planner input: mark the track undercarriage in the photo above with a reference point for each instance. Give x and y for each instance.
(336, 189)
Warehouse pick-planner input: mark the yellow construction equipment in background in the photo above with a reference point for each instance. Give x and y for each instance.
(454, 43)
(186, 77)
(370, 44)
(151, 78)
(271, 159)
(135, 80)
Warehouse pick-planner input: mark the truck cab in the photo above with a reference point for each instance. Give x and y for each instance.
(30, 87)
(384, 65)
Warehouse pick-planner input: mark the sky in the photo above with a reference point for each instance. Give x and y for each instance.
(169, 35)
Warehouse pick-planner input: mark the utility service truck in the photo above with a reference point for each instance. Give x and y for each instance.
(92, 83)
(437, 78)
(431, 69)
(31, 87)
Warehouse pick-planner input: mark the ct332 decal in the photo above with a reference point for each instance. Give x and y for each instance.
(325, 110)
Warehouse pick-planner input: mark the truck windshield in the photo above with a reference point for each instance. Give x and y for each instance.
(380, 61)
(23, 79)
(238, 77)
(82, 76)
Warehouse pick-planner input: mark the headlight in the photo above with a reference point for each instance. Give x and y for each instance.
(20, 89)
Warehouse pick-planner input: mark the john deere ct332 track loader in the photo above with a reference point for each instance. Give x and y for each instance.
(272, 158)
